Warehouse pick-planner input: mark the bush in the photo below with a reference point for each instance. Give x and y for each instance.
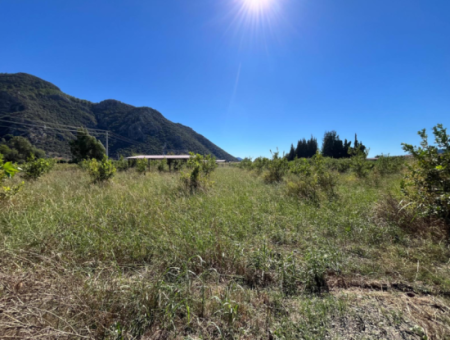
(246, 164)
(341, 165)
(141, 166)
(101, 171)
(35, 168)
(358, 163)
(276, 169)
(392, 211)
(162, 165)
(260, 163)
(121, 164)
(200, 170)
(427, 183)
(388, 165)
(178, 165)
(315, 181)
(7, 171)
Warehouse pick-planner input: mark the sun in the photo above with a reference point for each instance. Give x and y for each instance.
(257, 5)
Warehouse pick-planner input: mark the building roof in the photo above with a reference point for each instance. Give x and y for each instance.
(160, 157)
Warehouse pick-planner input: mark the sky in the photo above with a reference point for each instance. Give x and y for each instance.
(250, 75)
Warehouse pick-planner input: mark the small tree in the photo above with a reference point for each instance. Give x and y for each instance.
(141, 166)
(8, 170)
(200, 169)
(427, 183)
(86, 146)
(277, 167)
(101, 171)
(35, 168)
(122, 164)
(359, 163)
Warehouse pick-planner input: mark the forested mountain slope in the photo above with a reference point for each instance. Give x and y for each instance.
(28, 102)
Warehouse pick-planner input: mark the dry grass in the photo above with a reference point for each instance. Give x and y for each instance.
(139, 258)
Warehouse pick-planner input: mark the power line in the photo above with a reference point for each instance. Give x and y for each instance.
(70, 128)
(57, 124)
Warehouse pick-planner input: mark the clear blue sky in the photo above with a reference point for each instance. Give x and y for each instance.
(248, 77)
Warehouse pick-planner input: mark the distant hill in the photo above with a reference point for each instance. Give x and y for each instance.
(28, 102)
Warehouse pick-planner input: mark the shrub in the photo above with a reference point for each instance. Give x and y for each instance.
(427, 183)
(7, 171)
(300, 166)
(101, 171)
(315, 181)
(260, 163)
(121, 164)
(358, 163)
(162, 165)
(388, 165)
(276, 169)
(341, 165)
(178, 165)
(200, 170)
(392, 211)
(35, 168)
(141, 166)
(246, 164)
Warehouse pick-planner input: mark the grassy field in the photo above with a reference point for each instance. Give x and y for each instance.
(140, 258)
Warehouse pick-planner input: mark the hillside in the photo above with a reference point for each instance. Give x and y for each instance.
(27, 102)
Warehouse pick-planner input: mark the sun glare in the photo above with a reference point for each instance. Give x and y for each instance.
(257, 5)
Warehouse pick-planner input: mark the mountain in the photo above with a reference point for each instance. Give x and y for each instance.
(40, 111)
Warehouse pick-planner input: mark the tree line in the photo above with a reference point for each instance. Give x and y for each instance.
(332, 146)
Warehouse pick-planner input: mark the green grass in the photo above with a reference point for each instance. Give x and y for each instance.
(140, 257)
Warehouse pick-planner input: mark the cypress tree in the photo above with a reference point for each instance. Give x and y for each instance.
(291, 154)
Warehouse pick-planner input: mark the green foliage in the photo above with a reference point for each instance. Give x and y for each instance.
(7, 171)
(246, 164)
(25, 97)
(200, 168)
(141, 166)
(259, 164)
(86, 146)
(36, 167)
(358, 163)
(385, 165)
(427, 183)
(276, 169)
(19, 149)
(162, 165)
(317, 263)
(305, 149)
(341, 165)
(178, 165)
(300, 166)
(121, 164)
(101, 171)
(314, 182)
(333, 146)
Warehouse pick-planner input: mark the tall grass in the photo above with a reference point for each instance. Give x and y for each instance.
(139, 257)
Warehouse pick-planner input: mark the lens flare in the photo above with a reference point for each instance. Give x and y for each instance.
(257, 5)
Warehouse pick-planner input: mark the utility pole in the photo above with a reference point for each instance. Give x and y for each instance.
(107, 151)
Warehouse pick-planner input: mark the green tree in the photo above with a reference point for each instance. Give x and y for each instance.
(291, 154)
(86, 146)
(427, 184)
(18, 149)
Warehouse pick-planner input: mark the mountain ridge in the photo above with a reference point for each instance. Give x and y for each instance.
(26, 100)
